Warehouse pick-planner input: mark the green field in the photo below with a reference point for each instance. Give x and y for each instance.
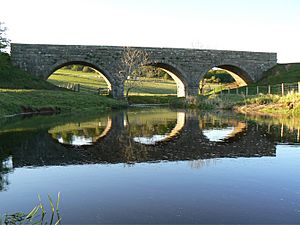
(13, 100)
(12, 77)
(93, 80)
(282, 73)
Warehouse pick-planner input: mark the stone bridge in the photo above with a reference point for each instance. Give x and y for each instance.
(186, 66)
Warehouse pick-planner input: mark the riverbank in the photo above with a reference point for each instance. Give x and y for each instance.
(29, 101)
(26, 101)
(270, 105)
(264, 105)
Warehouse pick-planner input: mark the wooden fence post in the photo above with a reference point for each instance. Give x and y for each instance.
(228, 90)
(257, 90)
(298, 87)
(237, 91)
(247, 91)
(269, 89)
(282, 89)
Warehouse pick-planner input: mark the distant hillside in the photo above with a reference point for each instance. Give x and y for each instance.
(14, 78)
(287, 73)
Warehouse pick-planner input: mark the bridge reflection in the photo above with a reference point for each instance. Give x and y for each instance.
(183, 137)
(155, 138)
(85, 133)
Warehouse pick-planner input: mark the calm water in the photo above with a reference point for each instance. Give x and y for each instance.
(153, 166)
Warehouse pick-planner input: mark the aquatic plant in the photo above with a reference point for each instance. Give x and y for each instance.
(36, 216)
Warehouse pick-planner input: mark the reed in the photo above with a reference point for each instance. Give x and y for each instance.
(36, 216)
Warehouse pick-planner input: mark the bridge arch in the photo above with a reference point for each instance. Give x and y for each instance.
(176, 74)
(238, 73)
(109, 79)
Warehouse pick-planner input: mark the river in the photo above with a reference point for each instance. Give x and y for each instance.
(153, 165)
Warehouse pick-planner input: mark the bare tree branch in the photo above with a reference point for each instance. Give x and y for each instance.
(131, 69)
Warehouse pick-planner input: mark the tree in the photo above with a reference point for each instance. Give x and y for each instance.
(4, 41)
(131, 68)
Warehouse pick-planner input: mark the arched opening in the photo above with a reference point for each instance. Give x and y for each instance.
(80, 76)
(157, 79)
(223, 77)
(175, 74)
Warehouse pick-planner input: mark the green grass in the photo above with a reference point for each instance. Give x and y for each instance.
(12, 77)
(18, 89)
(12, 101)
(148, 86)
(267, 104)
(274, 105)
(282, 73)
(64, 76)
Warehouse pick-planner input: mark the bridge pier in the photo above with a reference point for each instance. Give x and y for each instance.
(117, 91)
(192, 91)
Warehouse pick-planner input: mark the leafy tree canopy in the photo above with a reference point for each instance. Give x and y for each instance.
(4, 41)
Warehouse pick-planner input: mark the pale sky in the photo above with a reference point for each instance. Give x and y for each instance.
(251, 25)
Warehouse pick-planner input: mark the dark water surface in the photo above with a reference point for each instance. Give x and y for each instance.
(153, 166)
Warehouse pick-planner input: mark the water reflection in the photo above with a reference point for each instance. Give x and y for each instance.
(85, 133)
(156, 163)
(139, 136)
(134, 136)
(162, 131)
(6, 166)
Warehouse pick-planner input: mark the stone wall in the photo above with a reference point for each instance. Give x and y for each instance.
(187, 65)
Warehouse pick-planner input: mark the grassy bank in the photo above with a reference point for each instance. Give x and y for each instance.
(14, 101)
(21, 93)
(281, 73)
(273, 105)
(12, 77)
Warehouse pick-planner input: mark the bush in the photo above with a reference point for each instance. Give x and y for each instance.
(77, 67)
(178, 103)
(87, 69)
(4, 60)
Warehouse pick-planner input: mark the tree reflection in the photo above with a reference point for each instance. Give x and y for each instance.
(200, 163)
(5, 168)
